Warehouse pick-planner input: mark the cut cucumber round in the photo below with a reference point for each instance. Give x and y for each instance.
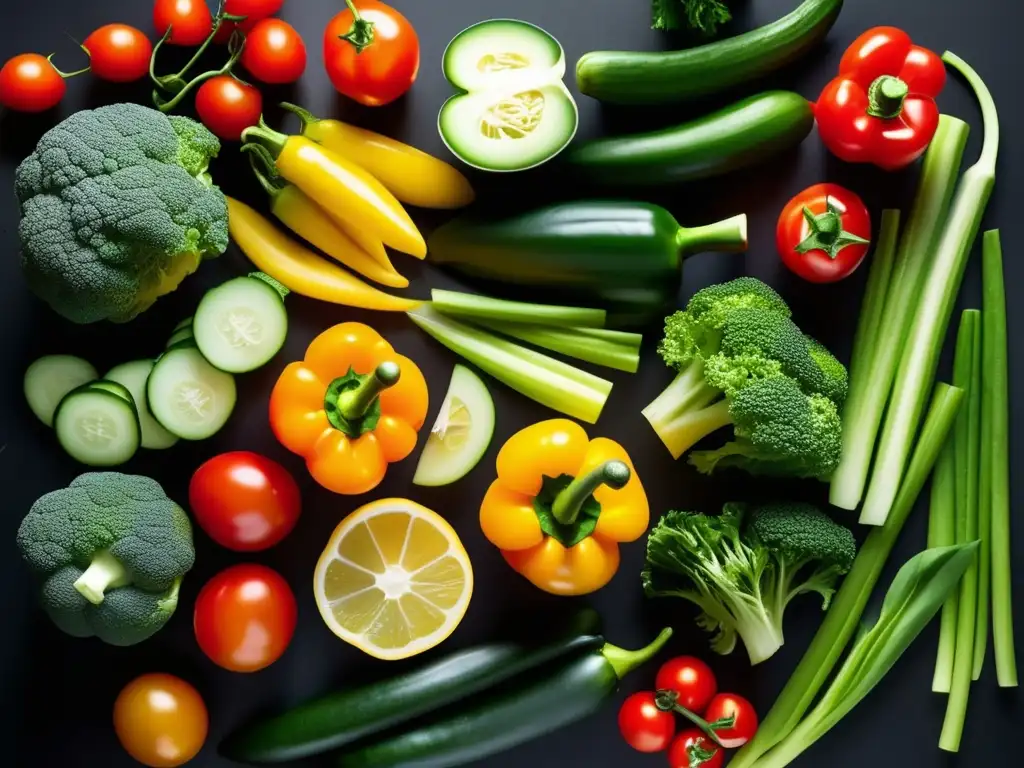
(188, 396)
(461, 434)
(50, 378)
(98, 425)
(501, 54)
(186, 323)
(180, 335)
(240, 325)
(133, 377)
(113, 388)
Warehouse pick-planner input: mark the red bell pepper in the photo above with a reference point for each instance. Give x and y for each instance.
(881, 108)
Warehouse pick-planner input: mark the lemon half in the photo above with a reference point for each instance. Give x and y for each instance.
(394, 579)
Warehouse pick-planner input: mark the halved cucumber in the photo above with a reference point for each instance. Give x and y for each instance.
(188, 396)
(516, 112)
(240, 325)
(50, 378)
(98, 425)
(461, 434)
(133, 377)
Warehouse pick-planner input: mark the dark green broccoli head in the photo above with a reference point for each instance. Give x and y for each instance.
(117, 209)
(800, 533)
(115, 541)
(836, 379)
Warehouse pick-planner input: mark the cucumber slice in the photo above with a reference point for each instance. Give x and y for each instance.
(113, 388)
(133, 377)
(240, 325)
(50, 378)
(98, 425)
(461, 434)
(516, 112)
(186, 323)
(188, 396)
(180, 335)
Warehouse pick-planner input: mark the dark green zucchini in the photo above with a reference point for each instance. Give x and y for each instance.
(740, 135)
(622, 77)
(544, 702)
(339, 718)
(623, 256)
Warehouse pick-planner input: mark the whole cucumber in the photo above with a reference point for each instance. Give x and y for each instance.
(548, 700)
(737, 136)
(339, 718)
(624, 256)
(623, 77)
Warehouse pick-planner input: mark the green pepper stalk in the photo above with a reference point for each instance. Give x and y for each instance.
(352, 402)
(568, 503)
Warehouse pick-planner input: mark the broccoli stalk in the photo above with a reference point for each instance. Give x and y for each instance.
(688, 410)
(104, 572)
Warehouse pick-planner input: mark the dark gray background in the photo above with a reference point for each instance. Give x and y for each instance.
(57, 692)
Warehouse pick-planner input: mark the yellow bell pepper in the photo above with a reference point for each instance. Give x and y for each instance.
(413, 176)
(299, 269)
(561, 506)
(293, 208)
(343, 189)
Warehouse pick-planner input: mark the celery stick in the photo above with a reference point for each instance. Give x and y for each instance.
(870, 322)
(871, 379)
(967, 449)
(550, 382)
(921, 352)
(996, 436)
(613, 349)
(472, 306)
(942, 533)
(848, 605)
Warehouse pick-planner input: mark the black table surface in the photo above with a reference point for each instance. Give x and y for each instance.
(57, 692)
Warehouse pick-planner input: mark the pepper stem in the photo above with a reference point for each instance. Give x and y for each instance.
(361, 33)
(266, 137)
(354, 403)
(728, 236)
(263, 167)
(307, 117)
(886, 96)
(568, 503)
(827, 233)
(623, 662)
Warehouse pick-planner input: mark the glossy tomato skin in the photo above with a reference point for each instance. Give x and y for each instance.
(190, 20)
(29, 83)
(690, 679)
(274, 52)
(245, 618)
(227, 107)
(160, 720)
(386, 68)
(645, 727)
(817, 266)
(253, 10)
(119, 53)
(678, 752)
(743, 729)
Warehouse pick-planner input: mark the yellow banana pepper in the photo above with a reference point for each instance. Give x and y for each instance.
(413, 176)
(299, 269)
(343, 189)
(293, 208)
(561, 505)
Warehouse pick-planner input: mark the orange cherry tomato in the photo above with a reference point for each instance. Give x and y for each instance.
(245, 618)
(160, 720)
(29, 83)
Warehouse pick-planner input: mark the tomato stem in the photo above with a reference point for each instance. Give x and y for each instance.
(67, 75)
(668, 701)
(236, 46)
(827, 233)
(361, 32)
(567, 504)
(886, 96)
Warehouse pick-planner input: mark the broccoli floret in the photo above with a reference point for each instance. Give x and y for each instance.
(742, 577)
(732, 337)
(117, 209)
(112, 550)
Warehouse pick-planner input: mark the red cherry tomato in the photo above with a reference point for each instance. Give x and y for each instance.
(29, 83)
(690, 679)
(227, 106)
(118, 53)
(245, 618)
(386, 68)
(160, 720)
(645, 727)
(680, 755)
(190, 21)
(726, 705)
(274, 52)
(253, 10)
(833, 246)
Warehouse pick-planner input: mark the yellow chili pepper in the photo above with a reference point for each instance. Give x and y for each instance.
(308, 220)
(561, 505)
(413, 176)
(299, 269)
(343, 189)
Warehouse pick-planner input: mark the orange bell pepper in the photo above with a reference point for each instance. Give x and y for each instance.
(350, 408)
(561, 506)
